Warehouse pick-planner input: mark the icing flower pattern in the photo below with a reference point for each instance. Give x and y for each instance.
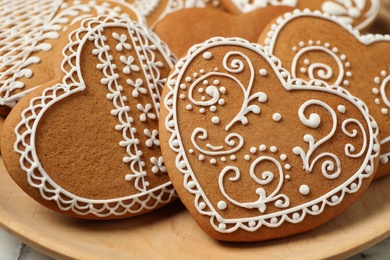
(122, 42)
(153, 138)
(137, 85)
(158, 164)
(129, 64)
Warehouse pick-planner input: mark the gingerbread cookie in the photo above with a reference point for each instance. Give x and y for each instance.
(358, 13)
(328, 51)
(155, 10)
(32, 31)
(88, 146)
(184, 28)
(255, 154)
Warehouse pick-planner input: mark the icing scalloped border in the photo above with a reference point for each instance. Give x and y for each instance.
(352, 185)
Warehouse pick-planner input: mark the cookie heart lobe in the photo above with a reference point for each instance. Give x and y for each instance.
(31, 43)
(88, 146)
(343, 57)
(255, 154)
(184, 28)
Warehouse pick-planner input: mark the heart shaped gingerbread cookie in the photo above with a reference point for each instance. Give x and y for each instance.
(327, 51)
(196, 25)
(255, 154)
(31, 36)
(358, 13)
(88, 146)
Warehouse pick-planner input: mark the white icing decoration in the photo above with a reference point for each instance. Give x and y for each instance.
(207, 55)
(319, 71)
(349, 148)
(247, 6)
(341, 109)
(153, 139)
(122, 44)
(304, 189)
(26, 26)
(247, 157)
(92, 30)
(263, 72)
(129, 64)
(221, 205)
(367, 40)
(281, 200)
(146, 113)
(231, 175)
(273, 149)
(158, 164)
(253, 150)
(277, 117)
(215, 120)
(332, 164)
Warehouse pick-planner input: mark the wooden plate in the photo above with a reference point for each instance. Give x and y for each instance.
(171, 232)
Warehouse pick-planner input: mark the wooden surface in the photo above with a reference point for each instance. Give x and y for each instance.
(171, 233)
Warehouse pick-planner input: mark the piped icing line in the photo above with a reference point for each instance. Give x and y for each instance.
(72, 83)
(293, 215)
(28, 35)
(342, 62)
(19, 58)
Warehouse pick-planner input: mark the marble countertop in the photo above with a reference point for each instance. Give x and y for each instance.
(12, 248)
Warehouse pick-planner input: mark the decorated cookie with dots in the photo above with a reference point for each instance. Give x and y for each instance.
(155, 10)
(88, 146)
(327, 51)
(31, 37)
(359, 13)
(208, 22)
(255, 154)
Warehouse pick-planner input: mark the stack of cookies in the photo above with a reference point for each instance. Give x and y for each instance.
(265, 118)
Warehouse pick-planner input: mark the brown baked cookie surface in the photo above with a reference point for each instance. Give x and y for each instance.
(317, 48)
(30, 45)
(155, 10)
(184, 28)
(359, 13)
(255, 154)
(88, 145)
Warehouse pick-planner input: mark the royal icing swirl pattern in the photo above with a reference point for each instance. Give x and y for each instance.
(146, 45)
(32, 25)
(345, 10)
(342, 73)
(268, 167)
